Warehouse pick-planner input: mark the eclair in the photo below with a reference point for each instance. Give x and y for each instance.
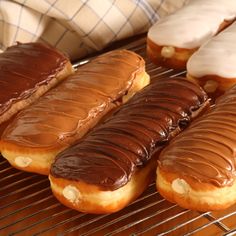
(67, 112)
(112, 165)
(174, 38)
(213, 66)
(198, 169)
(27, 71)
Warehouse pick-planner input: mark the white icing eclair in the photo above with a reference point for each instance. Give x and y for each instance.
(173, 39)
(213, 65)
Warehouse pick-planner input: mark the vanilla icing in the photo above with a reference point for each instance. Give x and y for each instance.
(216, 57)
(193, 24)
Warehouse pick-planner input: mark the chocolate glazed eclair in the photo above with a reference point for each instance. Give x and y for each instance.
(27, 71)
(113, 164)
(198, 169)
(71, 109)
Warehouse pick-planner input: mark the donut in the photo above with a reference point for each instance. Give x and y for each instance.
(174, 38)
(197, 170)
(213, 65)
(64, 114)
(112, 165)
(24, 75)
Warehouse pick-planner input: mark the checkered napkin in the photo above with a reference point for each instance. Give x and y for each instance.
(78, 27)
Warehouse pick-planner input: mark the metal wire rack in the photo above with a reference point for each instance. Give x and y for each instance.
(27, 206)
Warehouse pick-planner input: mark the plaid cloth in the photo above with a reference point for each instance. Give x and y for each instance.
(78, 27)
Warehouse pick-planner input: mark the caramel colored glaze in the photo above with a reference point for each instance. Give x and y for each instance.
(206, 150)
(59, 117)
(110, 154)
(23, 68)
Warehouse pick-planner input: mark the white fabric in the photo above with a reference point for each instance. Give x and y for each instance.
(78, 27)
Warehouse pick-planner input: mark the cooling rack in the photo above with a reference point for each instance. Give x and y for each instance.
(27, 206)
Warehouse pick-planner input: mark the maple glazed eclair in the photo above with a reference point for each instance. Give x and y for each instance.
(198, 169)
(213, 65)
(112, 165)
(174, 38)
(71, 109)
(27, 71)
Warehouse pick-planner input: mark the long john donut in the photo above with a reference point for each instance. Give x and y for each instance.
(71, 109)
(112, 165)
(198, 169)
(27, 71)
(174, 38)
(213, 65)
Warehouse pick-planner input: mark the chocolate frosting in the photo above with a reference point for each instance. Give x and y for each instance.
(59, 117)
(23, 68)
(206, 150)
(110, 154)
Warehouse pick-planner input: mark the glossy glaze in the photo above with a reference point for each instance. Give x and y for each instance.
(24, 68)
(112, 152)
(206, 150)
(62, 114)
